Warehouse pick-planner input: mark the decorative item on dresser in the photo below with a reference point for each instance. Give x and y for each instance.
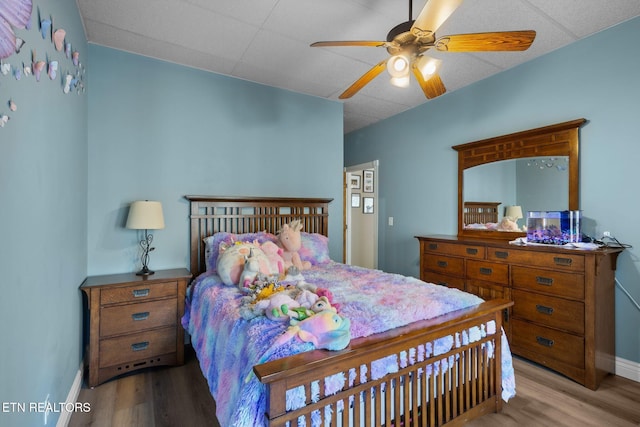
(134, 322)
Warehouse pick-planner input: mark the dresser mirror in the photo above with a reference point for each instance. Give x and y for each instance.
(536, 169)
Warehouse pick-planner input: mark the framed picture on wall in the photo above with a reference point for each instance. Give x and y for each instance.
(355, 200)
(354, 182)
(368, 182)
(367, 205)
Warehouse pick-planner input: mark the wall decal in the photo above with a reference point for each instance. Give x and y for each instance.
(60, 62)
(16, 14)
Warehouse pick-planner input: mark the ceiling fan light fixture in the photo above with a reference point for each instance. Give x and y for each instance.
(427, 66)
(402, 81)
(398, 66)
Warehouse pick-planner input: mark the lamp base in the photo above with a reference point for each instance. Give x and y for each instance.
(145, 272)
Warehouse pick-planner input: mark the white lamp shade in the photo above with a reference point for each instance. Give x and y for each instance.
(514, 212)
(145, 215)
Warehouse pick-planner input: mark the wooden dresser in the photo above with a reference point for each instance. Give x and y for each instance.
(563, 315)
(134, 322)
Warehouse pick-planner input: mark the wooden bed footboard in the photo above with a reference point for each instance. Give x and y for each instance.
(446, 389)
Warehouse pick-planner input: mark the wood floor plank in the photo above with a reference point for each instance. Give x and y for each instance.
(179, 396)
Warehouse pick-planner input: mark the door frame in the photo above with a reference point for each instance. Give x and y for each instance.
(346, 226)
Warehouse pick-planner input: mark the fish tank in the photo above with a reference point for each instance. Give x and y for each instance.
(553, 227)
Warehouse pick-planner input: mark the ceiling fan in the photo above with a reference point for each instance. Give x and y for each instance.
(408, 42)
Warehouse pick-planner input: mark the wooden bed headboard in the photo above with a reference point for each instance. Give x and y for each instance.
(213, 214)
(480, 212)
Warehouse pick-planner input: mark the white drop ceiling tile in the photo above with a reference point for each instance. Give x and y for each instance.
(586, 17)
(176, 23)
(249, 11)
(311, 21)
(157, 49)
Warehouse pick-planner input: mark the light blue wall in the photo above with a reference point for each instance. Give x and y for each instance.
(596, 78)
(160, 131)
(43, 223)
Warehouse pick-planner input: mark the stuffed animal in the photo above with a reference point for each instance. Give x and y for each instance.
(232, 258)
(326, 329)
(289, 240)
(250, 271)
(507, 224)
(273, 306)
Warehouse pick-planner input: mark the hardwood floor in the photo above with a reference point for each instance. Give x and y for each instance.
(180, 397)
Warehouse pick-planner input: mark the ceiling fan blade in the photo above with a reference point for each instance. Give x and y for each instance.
(371, 43)
(432, 87)
(483, 42)
(366, 78)
(432, 16)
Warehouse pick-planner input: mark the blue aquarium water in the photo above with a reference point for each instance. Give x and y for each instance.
(553, 227)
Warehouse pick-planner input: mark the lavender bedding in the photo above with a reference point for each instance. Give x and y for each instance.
(228, 346)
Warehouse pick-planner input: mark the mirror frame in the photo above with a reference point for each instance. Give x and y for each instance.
(561, 139)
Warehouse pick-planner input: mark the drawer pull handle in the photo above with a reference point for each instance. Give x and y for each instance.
(140, 316)
(547, 281)
(562, 261)
(139, 346)
(472, 251)
(443, 264)
(502, 254)
(433, 246)
(486, 271)
(137, 293)
(544, 309)
(544, 341)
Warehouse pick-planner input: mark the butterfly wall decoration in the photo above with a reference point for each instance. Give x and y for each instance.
(13, 14)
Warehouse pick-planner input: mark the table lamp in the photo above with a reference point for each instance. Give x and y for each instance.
(145, 215)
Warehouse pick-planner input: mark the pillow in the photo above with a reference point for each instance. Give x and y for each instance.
(212, 244)
(314, 248)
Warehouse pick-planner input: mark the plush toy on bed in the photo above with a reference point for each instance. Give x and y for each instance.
(237, 256)
(326, 329)
(290, 241)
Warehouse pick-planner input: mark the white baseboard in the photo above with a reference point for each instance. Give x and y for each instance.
(72, 397)
(628, 369)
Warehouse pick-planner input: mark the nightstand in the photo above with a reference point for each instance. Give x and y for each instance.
(134, 322)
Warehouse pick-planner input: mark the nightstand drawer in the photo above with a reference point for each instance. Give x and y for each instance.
(136, 317)
(445, 264)
(550, 343)
(549, 311)
(570, 285)
(488, 271)
(141, 292)
(142, 345)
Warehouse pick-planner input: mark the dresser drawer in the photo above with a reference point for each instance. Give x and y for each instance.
(139, 292)
(141, 345)
(570, 285)
(560, 261)
(488, 271)
(443, 279)
(469, 251)
(445, 264)
(549, 343)
(549, 311)
(122, 319)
